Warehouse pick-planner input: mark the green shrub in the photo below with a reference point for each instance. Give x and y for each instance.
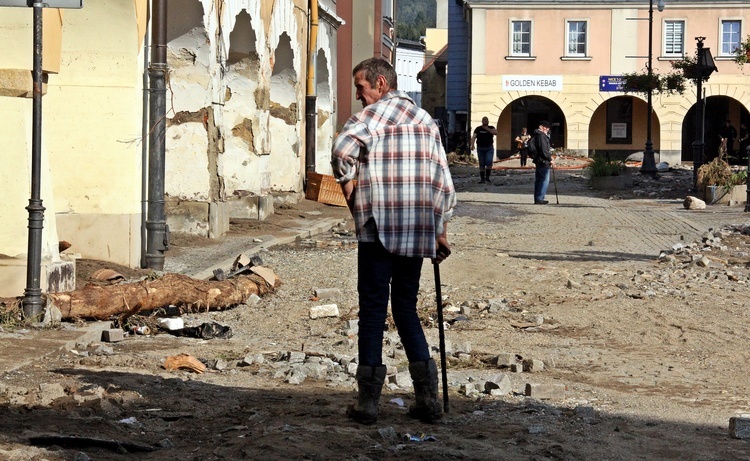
(602, 166)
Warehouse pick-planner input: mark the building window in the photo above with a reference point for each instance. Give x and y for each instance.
(576, 39)
(730, 36)
(520, 40)
(674, 38)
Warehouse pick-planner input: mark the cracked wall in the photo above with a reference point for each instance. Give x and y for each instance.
(235, 104)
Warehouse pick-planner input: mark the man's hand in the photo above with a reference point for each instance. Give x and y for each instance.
(443, 250)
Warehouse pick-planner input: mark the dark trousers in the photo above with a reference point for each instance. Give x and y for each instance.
(380, 275)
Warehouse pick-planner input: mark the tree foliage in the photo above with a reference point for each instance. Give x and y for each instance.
(413, 17)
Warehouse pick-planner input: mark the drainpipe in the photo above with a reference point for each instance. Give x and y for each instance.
(311, 111)
(144, 144)
(157, 232)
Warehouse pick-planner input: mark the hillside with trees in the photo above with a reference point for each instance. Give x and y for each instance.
(413, 17)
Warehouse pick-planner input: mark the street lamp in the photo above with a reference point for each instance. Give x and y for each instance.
(649, 164)
(705, 66)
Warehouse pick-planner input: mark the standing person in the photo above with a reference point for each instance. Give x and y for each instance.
(482, 136)
(744, 141)
(401, 203)
(522, 143)
(539, 146)
(728, 133)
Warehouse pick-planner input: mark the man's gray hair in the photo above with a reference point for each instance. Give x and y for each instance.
(377, 66)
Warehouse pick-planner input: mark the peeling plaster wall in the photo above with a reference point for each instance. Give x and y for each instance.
(239, 65)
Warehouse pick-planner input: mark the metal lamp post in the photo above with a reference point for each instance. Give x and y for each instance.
(705, 67)
(649, 164)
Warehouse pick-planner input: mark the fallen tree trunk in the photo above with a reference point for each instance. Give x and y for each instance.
(103, 302)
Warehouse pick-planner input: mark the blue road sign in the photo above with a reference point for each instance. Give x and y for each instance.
(611, 82)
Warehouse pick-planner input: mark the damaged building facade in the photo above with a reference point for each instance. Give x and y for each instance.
(237, 82)
(236, 108)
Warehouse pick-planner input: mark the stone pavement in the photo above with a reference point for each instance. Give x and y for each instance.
(581, 226)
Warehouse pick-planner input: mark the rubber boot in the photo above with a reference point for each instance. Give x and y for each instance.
(370, 384)
(487, 175)
(424, 375)
(481, 175)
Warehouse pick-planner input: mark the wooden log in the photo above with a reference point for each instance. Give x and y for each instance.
(102, 302)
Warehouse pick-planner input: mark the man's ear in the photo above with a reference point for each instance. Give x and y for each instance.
(381, 82)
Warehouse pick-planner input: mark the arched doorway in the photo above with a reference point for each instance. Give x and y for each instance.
(619, 127)
(717, 110)
(527, 112)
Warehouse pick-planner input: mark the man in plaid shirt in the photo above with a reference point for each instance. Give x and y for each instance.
(402, 200)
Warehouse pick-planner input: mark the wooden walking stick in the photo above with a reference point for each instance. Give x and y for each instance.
(441, 329)
(554, 180)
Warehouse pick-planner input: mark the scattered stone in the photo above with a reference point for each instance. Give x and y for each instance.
(403, 380)
(537, 429)
(498, 305)
(388, 434)
(739, 426)
(166, 443)
(703, 262)
(253, 300)
(52, 316)
(498, 385)
(296, 357)
(694, 203)
(326, 310)
(505, 360)
(296, 376)
(49, 392)
(327, 293)
(104, 350)
(113, 335)
(533, 365)
(469, 389)
(573, 284)
(542, 391)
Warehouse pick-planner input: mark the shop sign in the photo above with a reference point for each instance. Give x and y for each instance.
(532, 83)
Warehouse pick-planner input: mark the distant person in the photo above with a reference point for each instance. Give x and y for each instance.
(522, 144)
(483, 137)
(539, 147)
(401, 202)
(744, 141)
(728, 134)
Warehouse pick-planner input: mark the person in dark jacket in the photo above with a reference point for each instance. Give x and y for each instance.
(484, 139)
(539, 145)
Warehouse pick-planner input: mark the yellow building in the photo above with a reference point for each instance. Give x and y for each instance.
(546, 60)
(235, 122)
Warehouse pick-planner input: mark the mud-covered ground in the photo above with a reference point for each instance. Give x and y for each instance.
(639, 316)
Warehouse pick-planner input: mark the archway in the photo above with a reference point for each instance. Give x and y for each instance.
(618, 127)
(528, 111)
(717, 109)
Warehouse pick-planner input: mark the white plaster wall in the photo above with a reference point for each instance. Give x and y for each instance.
(189, 60)
(240, 165)
(187, 162)
(287, 141)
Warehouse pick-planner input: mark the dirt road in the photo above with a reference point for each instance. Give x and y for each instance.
(644, 357)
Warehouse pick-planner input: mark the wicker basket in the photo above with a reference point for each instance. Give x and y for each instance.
(323, 188)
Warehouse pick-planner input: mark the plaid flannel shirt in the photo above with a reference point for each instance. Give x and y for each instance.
(393, 149)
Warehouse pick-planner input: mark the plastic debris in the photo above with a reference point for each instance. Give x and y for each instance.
(419, 438)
